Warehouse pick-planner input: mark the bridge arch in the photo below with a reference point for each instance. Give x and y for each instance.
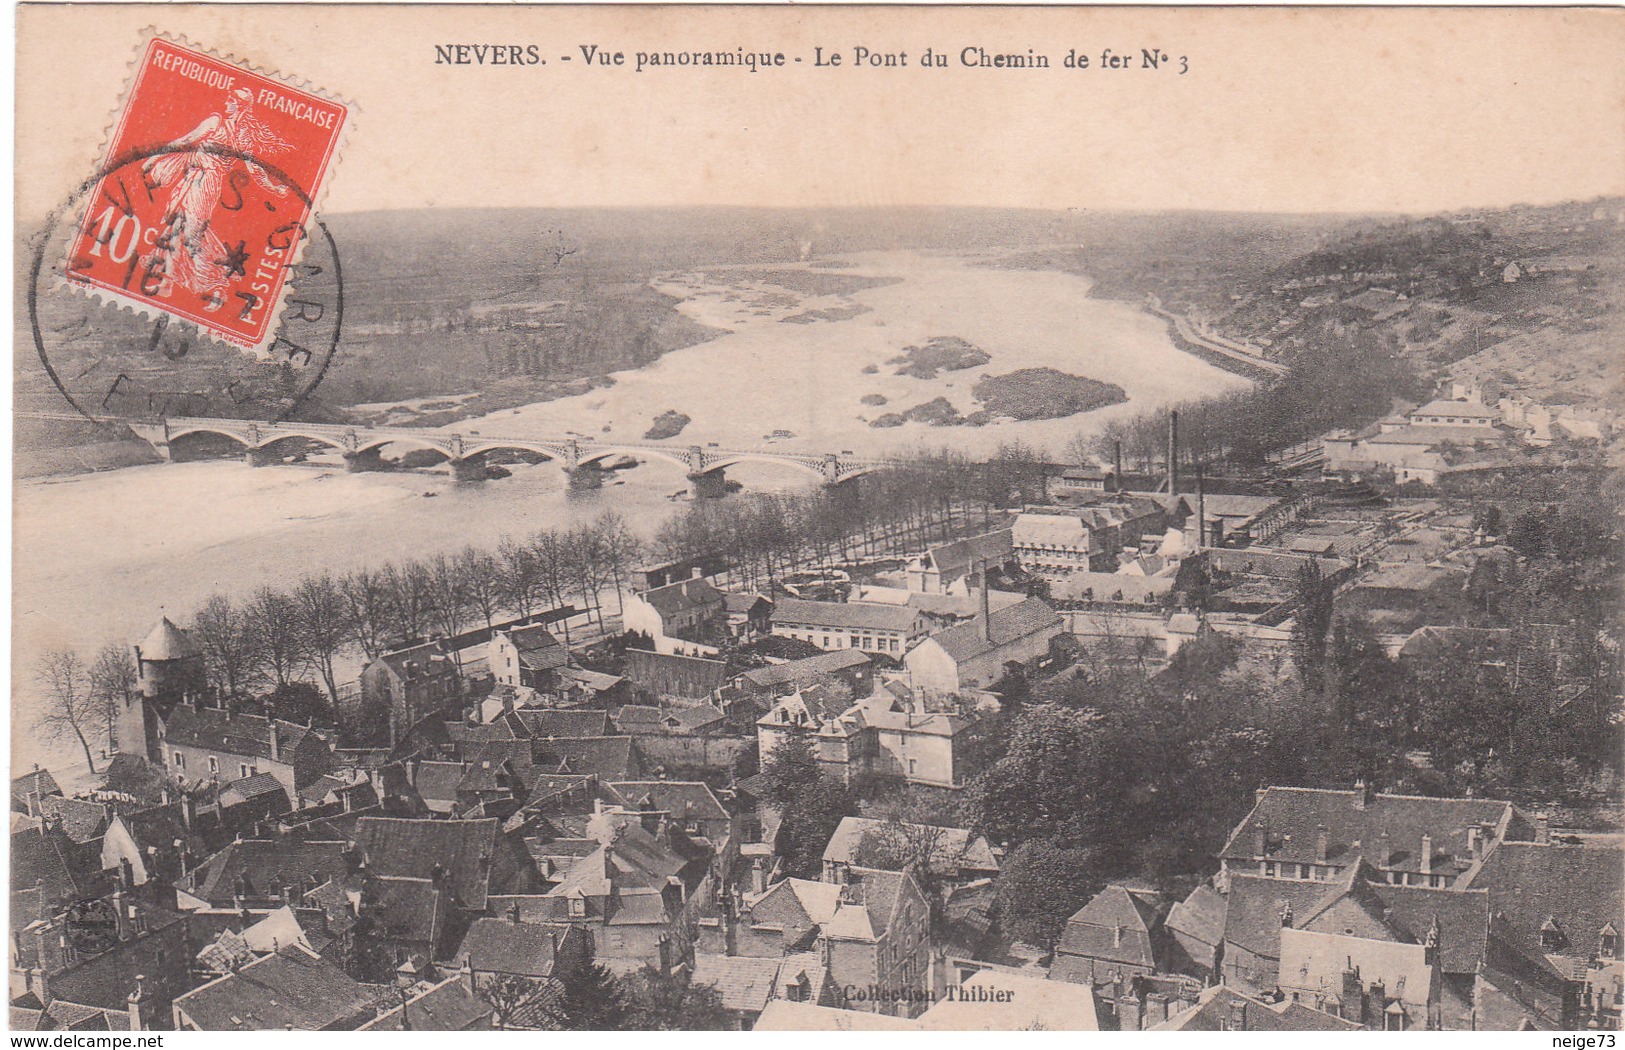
(279, 436)
(225, 432)
(599, 453)
(551, 451)
(403, 439)
(779, 461)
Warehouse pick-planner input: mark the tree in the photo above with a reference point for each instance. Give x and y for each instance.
(1311, 623)
(221, 631)
(661, 1002)
(809, 820)
(112, 684)
(790, 768)
(324, 626)
(297, 702)
(272, 619)
(366, 595)
(519, 1001)
(482, 580)
(592, 1000)
(69, 710)
(1041, 885)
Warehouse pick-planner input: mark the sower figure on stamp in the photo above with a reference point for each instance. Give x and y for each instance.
(196, 168)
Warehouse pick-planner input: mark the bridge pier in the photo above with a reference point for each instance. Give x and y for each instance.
(468, 470)
(712, 484)
(368, 459)
(586, 476)
(261, 457)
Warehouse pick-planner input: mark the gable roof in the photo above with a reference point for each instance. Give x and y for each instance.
(682, 596)
(408, 848)
(424, 660)
(953, 849)
(604, 757)
(1199, 916)
(1217, 1006)
(573, 722)
(1318, 960)
(863, 616)
(211, 729)
(1290, 819)
(682, 799)
(538, 649)
(504, 946)
(39, 780)
(745, 983)
(266, 864)
(79, 819)
(294, 988)
(1009, 625)
(448, 1006)
(1578, 889)
(800, 672)
(961, 556)
(254, 786)
(1116, 925)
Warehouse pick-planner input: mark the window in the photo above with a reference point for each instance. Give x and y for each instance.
(578, 908)
(1609, 946)
(911, 767)
(242, 770)
(180, 760)
(214, 764)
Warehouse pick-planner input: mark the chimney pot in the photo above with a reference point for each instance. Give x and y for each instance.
(1427, 855)
(1543, 829)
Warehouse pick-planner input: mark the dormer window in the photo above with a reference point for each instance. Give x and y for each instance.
(1551, 936)
(1608, 943)
(578, 907)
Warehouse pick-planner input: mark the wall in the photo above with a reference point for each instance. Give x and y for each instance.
(699, 752)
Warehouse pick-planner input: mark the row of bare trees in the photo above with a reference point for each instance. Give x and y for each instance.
(274, 638)
(930, 499)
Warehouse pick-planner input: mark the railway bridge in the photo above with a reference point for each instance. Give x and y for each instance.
(582, 459)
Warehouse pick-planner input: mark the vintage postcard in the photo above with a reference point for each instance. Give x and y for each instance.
(832, 518)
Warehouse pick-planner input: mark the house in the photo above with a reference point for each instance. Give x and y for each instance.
(470, 858)
(1118, 933)
(871, 627)
(640, 719)
(293, 989)
(1223, 1009)
(958, 567)
(28, 789)
(851, 666)
(572, 722)
(1317, 834)
(115, 953)
(1559, 908)
(262, 874)
(545, 954)
(1057, 543)
(1376, 983)
(1195, 928)
(956, 855)
(258, 796)
(749, 614)
(688, 611)
(201, 744)
(634, 883)
(690, 805)
(169, 671)
(447, 1005)
(873, 932)
(410, 684)
(999, 1000)
(80, 819)
(978, 653)
(882, 735)
(158, 843)
(746, 984)
(526, 656)
(604, 757)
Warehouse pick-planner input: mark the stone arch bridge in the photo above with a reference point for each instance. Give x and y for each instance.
(581, 458)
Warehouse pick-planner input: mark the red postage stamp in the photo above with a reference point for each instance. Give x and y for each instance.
(204, 199)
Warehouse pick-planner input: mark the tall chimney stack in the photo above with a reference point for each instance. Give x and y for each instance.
(1173, 453)
(1201, 512)
(1117, 465)
(987, 623)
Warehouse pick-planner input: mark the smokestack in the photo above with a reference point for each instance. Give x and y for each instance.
(1117, 465)
(1201, 511)
(1173, 453)
(987, 623)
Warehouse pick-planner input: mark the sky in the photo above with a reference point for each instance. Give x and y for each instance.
(1297, 110)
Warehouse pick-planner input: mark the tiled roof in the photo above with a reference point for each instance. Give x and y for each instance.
(504, 946)
(538, 649)
(405, 848)
(1117, 925)
(1253, 915)
(1199, 916)
(292, 989)
(961, 555)
(1219, 1006)
(1576, 889)
(1007, 626)
(266, 864)
(1433, 642)
(1318, 960)
(39, 780)
(808, 670)
(419, 661)
(1459, 409)
(605, 757)
(254, 786)
(682, 596)
(953, 849)
(446, 1007)
(745, 983)
(863, 616)
(740, 602)
(1290, 819)
(79, 819)
(683, 799)
(546, 722)
(211, 729)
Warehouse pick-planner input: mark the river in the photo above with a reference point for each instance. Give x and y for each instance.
(100, 557)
